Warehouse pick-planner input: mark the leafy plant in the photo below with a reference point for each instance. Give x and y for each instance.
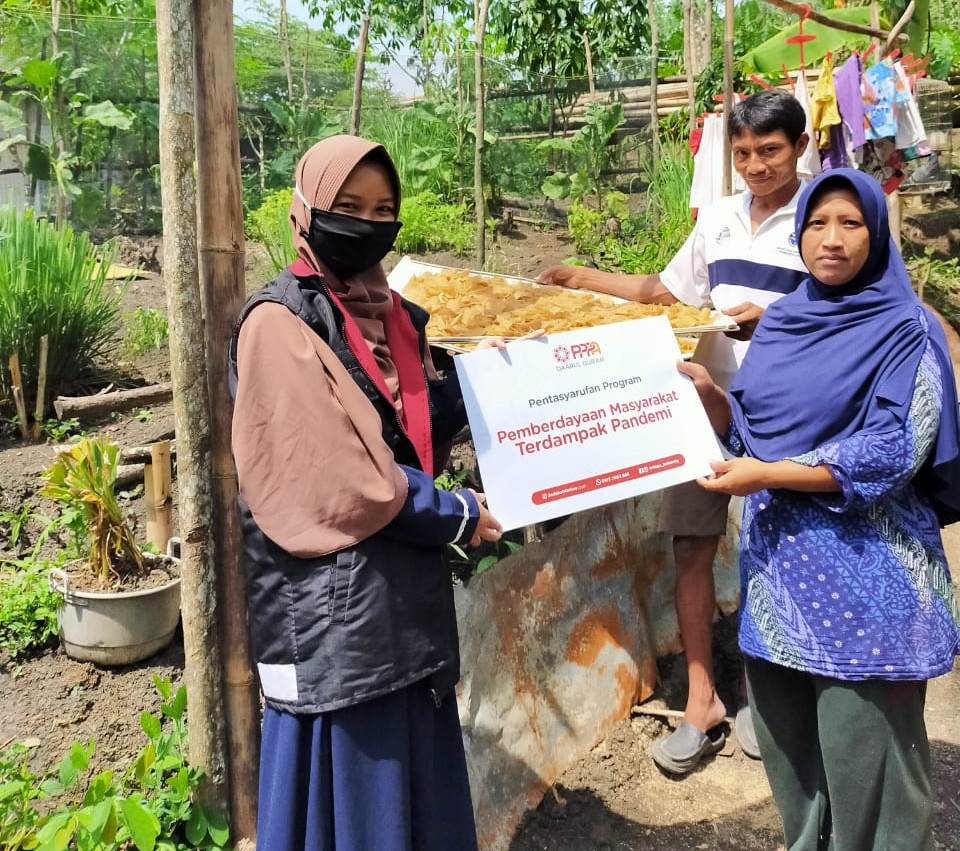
(28, 613)
(586, 228)
(269, 224)
(16, 521)
(60, 430)
(151, 806)
(18, 790)
(53, 283)
(589, 149)
(431, 225)
(148, 331)
(449, 480)
(44, 82)
(649, 239)
(84, 478)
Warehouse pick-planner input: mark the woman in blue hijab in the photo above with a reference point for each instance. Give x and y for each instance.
(844, 426)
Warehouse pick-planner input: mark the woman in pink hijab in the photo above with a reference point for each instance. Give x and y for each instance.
(338, 411)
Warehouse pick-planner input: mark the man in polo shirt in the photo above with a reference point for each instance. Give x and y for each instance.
(741, 256)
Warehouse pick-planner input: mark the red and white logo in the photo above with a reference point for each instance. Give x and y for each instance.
(561, 354)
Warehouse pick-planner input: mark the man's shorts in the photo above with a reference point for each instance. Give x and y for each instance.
(688, 509)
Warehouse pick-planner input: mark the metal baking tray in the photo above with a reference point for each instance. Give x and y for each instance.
(408, 268)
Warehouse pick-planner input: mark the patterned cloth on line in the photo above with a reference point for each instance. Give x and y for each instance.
(853, 585)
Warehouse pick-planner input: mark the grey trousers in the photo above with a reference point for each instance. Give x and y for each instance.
(848, 762)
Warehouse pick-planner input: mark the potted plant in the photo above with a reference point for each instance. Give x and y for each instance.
(120, 604)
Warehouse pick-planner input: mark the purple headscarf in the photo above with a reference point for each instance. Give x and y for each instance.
(828, 362)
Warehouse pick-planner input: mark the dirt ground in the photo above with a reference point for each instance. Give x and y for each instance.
(614, 798)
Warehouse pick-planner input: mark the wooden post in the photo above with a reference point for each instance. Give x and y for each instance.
(16, 384)
(283, 35)
(895, 215)
(220, 247)
(158, 494)
(40, 406)
(875, 24)
(708, 27)
(358, 75)
(481, 8)
(199, 598)
(688, 52)
(727, 94)
(589, 57)
(654, 62)
(461, 140)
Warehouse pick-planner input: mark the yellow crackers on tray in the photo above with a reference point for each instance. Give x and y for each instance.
(465, 305)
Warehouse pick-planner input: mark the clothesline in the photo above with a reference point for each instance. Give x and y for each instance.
(864, 118)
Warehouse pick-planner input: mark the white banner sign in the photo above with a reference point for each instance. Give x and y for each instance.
(583, 418)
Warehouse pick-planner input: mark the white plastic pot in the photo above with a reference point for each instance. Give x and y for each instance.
(116, 627)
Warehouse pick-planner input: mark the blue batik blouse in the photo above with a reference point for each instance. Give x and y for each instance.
(855, 584)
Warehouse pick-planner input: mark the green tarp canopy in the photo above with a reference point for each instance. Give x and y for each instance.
(767, 58)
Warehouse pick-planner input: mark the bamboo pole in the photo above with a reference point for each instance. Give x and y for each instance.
(589, 57)
(846, 26)
(16, 384)
(727, 95)
(199, 599)
(40, 407)
(482, 8)
(654, 62)
(688, 62)
(358, 75)
(220, 247)
(158, 494)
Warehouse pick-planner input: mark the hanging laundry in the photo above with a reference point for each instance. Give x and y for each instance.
(839, 154)
(911, 137)
(707, 183)
(846, 83)
(882, 160)
(824, 113)
(881, 105)
(809, 163)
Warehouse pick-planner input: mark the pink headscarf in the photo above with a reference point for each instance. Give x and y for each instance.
(319, 177)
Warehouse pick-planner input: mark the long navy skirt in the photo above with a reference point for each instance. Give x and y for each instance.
(385, 775)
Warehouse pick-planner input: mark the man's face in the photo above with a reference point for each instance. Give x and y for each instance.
(767, 162)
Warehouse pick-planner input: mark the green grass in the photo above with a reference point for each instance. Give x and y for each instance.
(147, 331)
(53, 282)
(269, 225)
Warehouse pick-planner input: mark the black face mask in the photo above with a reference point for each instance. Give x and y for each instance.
(349, 245)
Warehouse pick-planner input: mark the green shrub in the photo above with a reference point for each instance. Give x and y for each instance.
(431, 225)
(53, 282)
(269, 225)
(148, 331)
(428, 225)
(151, 805)
(648, 240)
(586, 227)
(28, 608)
